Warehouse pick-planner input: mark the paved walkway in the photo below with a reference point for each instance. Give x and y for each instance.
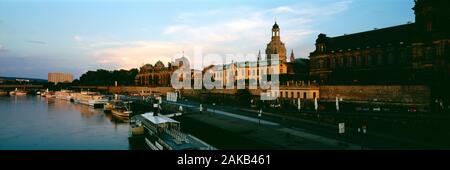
(317, 138)
(250, 119)
(274, 133)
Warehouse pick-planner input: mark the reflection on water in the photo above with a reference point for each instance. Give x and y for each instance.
(33, 122)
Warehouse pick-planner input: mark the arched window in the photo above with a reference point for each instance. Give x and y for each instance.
(429, 26)
(370, 60)
(349, 61)
(364, 60)
(380, 59)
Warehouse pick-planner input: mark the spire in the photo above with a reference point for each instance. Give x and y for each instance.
(292, 56)
(259, 55)
(275, 26)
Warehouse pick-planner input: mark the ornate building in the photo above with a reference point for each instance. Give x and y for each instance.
(157, 75)
(252, 71)
(414, 53)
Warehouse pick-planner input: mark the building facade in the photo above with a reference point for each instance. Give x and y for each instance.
(414, 53)
(256, 71)
(60, 78)
(157, 75)
(294, 82)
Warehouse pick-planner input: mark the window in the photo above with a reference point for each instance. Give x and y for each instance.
(333, 62)
(292, 94)
(380, 60)
(286, 93)
(298, 94)
(350, 62)
(390, 58)
(281, 94)
(304, 95)
(429, 27)
(364, 60)
(358, 61)
(369, 60)
(314, 95)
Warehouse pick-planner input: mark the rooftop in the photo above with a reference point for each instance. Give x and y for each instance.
(158, 119)
(391, 35)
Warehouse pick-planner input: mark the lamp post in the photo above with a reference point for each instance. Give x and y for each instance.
(316, 107)
(362, 131)
(259, 117)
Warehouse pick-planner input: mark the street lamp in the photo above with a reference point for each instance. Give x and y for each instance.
(259, 117)
(316, 104)
(362, 131)
(180, 109)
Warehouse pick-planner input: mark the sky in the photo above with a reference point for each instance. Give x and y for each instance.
(37, 37)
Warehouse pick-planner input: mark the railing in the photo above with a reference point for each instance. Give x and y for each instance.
(177, 135)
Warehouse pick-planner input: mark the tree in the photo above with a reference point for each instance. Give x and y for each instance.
(243, 97)
(108, 78)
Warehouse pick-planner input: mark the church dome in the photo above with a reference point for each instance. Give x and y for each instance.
(159, 64)
(275, 26)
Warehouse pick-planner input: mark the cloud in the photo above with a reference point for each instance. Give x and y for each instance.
(36, 42)
(3, 49)
(77, 38)
(135, 54)
(283, 9)
(220, 31)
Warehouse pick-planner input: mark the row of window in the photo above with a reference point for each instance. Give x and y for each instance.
(358, 61)
(253, 72)
(294, 94)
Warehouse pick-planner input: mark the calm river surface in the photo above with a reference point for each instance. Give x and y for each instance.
(36, 123)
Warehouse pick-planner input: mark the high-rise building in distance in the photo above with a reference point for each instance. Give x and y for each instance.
(60, 77)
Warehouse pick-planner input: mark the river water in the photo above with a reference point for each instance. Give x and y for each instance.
(36, 123)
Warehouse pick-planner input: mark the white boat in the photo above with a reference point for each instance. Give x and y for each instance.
(90, 98)
(163, 133)
(18, 93)
(50, 94)
(64, 95)
(122, 109)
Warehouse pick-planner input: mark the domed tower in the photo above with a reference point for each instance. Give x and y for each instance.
(276, 46)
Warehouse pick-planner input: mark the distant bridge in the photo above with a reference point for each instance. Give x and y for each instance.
(13, 86)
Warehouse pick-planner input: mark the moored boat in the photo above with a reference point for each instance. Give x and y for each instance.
(90, 98)
(17, 92)
(64, 95)
(121, 109)
(163, 133)
(108, 107)
(3, 93)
